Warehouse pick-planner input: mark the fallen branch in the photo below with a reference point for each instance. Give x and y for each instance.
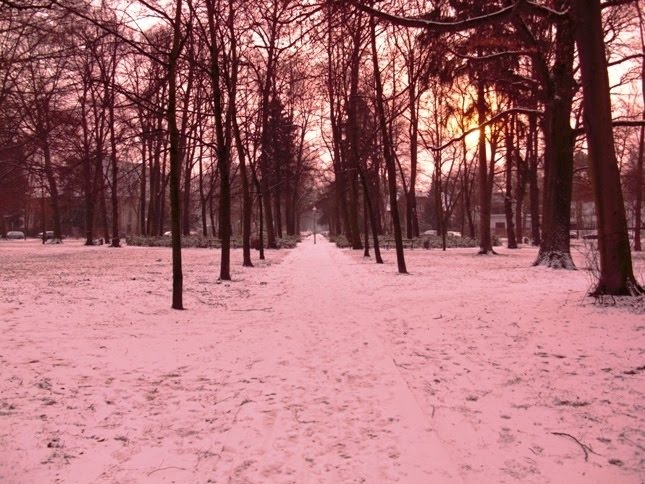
(252, 309)
(585, 448)
(165, 469)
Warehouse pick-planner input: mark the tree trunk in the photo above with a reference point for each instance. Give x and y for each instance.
(353, 135)
(520, 192)
(508, 198)
(222, 135)
(485, 240)
(616, 272)
(116, 240)
(87, 178)
(534, 190)
(639, 167)
(388, 152)
(372, 217)
(247, 203)
(638, 209)
(555, 247)
(142, 187)
(175, 163)
(53, 188)
(366, 235)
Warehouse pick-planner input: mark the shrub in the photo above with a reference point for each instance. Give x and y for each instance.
(201, 242)
(340, 241)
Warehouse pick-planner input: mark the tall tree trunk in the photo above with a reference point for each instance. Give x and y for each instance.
(467, 189)
(175, 163)
(412, 220)
(142, 186)
(116, 240)
(485, 240)
(260, 215)
(638, 209)
(165, 178)
(103, 210)
(366, 231)
(53, 188)
(247, 202)
(222, 135)
(555, 248)
(187, 147)
(388, 152)
(353, 135)
(277, 207)
(371, 215)
(87, 177)
(508, 198)
(534, 190)
(639, 167)
(520, 192)
(616, 272)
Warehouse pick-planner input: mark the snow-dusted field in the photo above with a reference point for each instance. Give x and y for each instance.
(316, 366)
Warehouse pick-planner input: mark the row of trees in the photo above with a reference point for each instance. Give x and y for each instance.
(197, 107)
(518, 63)
(209, 104)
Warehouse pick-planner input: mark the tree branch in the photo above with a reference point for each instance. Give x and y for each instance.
(447, 26)
(441, 26)
(492, 120)
(616, 3)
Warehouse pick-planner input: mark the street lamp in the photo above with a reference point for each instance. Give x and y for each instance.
(314, 225)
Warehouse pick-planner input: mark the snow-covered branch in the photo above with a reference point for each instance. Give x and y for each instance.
(488, 57)
(442, 26)
(446, 26)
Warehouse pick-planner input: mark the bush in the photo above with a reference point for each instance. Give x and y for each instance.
(340, 241)
(425, 242)
(201, 242)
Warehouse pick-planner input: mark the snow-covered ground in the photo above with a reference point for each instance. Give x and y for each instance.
(315, 366)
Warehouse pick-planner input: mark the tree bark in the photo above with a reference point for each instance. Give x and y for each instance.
(555, 247)
(485, 240)
(388, 154)
(371, 215)
(509, 135)
(534, 190)
(638, 209)
(175, 163)
(616, 271)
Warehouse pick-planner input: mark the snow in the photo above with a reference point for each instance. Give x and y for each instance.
(315, 366)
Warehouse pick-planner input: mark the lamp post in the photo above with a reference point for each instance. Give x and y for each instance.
(314, 209)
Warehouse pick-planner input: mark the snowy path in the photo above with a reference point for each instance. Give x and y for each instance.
(331, 370)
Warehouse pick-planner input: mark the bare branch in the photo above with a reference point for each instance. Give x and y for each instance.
(492, 120)
(442, 26)
(500, 15)
(616, 3)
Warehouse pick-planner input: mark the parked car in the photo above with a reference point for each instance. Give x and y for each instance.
(16, 234)
(49, 234)
(430, 232)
